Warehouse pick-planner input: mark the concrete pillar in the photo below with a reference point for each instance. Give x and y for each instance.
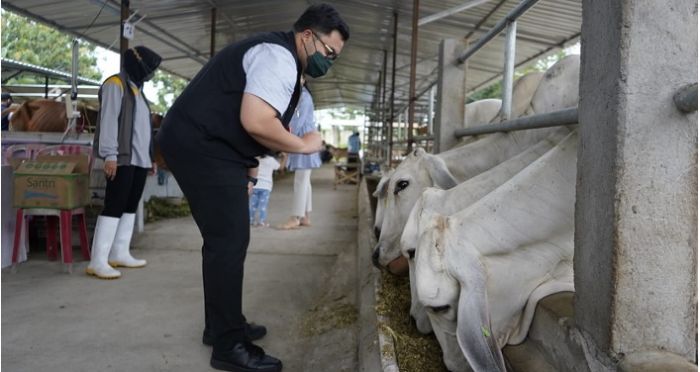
(636, 204)
(449, 111)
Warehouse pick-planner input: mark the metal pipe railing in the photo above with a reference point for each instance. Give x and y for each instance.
(48, 138)
(551, 119)
(508, 70)
(686, 98)
(500, 26)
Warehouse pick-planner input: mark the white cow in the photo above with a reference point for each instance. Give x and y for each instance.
(479, 112)
(490, 263)
(558, 89)
(447, 202)
(523, 91)
(380, 194)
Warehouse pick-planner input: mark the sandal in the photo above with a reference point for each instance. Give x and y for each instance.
(292, 224)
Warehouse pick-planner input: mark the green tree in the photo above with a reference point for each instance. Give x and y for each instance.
(31, 42)
(169, 87)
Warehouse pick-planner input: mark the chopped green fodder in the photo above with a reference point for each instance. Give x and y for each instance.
(415, 352)
(163, 208)
(323, 318)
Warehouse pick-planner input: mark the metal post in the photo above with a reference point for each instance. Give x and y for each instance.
(393, 89)
(384, 85)
(75, 58)
(412, 79)
(405, 128)
(508, 70)
(431, 109)
(123, 42)
(212, 44)
(383, 134)
(46, 87)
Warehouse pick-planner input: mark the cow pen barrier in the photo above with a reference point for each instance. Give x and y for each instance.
(47, 138)
(551, 119)
(519, 10)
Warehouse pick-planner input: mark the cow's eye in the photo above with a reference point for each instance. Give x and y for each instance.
(411, 253)
(400, 186)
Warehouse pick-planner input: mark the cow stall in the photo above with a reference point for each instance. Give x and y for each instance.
(544, 332)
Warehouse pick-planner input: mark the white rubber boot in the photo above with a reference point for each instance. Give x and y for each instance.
(105, 230)
(119, 255)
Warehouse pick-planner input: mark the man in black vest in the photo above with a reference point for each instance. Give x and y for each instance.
(238, 107)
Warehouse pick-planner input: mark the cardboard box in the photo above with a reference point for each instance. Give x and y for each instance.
(59, 182)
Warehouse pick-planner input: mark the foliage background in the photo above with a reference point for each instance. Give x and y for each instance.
(31, 42)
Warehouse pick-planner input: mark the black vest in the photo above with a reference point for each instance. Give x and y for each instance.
(206, 117)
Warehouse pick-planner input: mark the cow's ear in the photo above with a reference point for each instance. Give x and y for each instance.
(474, 334)
(439, 173)
(383, 185)
(381, 189)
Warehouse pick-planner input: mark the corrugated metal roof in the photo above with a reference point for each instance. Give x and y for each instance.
(179, 30)
(11, 68)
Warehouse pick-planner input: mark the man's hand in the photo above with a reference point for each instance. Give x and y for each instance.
(312, 142)
(154, 169)
(110, 169)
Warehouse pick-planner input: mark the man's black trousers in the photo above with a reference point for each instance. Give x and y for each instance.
(221, 213)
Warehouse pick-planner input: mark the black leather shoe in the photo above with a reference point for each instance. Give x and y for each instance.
(255, 331)
(252, 330)
(245, 357)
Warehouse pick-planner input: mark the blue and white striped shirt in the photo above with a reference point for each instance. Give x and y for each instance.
(303, 122)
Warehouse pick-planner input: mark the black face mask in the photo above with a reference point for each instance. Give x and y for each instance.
(317, 64)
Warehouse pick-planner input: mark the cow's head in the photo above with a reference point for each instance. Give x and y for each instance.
(417, 172)
(439, 291)
(451, 284)
(429, 200)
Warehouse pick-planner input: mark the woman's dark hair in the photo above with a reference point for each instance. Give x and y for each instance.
(323, 18)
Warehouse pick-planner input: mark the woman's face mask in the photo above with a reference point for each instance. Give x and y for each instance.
(317, 64)
(149, 76)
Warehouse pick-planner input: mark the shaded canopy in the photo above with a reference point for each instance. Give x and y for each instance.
(179, 30)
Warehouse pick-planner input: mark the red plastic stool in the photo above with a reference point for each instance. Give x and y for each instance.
(65, 217)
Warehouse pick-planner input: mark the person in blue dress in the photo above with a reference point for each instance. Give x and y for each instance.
(301, 164)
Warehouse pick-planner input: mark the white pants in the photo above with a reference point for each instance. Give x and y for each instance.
(302, 192)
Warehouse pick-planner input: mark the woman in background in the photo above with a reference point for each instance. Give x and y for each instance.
(302, 123)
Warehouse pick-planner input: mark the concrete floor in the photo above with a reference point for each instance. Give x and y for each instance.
(151, 319)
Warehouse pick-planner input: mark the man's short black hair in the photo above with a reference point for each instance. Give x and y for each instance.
(323, 18)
